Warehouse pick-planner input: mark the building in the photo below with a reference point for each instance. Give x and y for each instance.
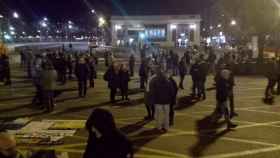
(164, 30)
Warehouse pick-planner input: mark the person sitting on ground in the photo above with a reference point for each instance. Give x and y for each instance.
(105, 140)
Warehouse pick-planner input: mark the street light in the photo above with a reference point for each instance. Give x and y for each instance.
(70, 26)
(233, 22)
(219, 25)
(45, 19)
(44, 24)
(193, 26)
(101, 21)
(15, 15)
(1, 16)
(11, 28)
(92, 11)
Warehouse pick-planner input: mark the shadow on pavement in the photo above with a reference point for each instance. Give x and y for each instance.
(13, 117)
(207, 135)
(81, 108)
(15, 108)
(15, 98)
(129, 103)
(145, 137)
(186, 102)
(134, 127)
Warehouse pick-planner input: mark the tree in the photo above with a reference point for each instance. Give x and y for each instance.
(254, 17)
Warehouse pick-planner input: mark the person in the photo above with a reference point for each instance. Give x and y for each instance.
(8, 147)
(92, 71)
(174, 98)
(202, 77)
(6, 70)
(194, 72)
(222, 95)
(271, 75)
(124, 78)
(131, 64)
(182, 72)
(113, 78)
(82, 73)
(231, 91)
(147, 97)
(161, 97)
(70, 66)
(48, 77)
(36, 79)
(143, 73)
(105, 140)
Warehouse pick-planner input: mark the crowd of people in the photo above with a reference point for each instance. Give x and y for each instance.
(157, 73)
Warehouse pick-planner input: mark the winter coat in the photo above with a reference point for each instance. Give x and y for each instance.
(222, 89)
(112, 78)
(82, 72)
(182, 68)
(124, 79)
(116, 145)
(161, 90)
(48, 79)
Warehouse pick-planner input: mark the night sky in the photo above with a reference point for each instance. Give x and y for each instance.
(79, 10)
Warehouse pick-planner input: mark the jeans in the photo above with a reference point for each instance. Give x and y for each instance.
(162, 121)
(82, 87)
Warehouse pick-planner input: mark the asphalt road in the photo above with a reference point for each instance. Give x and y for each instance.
(257, 136)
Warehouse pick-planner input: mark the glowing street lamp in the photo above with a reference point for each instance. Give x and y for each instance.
(92, 11)
(11, 28)
(219, 25)
(233, 23)
(45, 19)
(101, 21)
(193, 26)
(44, 24)
(15, 15)
(70, 26)
(1, 16)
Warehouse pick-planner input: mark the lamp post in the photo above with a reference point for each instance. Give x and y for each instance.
(1, 27)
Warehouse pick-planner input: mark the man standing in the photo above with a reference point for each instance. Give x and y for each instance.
(195, 78)
(203, 72)
(131, 64)
(82, 73)
(161, 97)
(222, 95)
(182, 72)
(49, 77)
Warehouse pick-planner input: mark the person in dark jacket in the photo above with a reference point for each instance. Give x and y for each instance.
(202, 77)
(124, 78)
(92, 71)
(182, 72)
(143, 73)
(6, 70)
(174, 100)
(48, 79)
(113, 78)
(105, 140)
(70, 66)
(222, 95)
(82, 73)
(131, 64)
(162, 94)
(272, 77)
(194, 72)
